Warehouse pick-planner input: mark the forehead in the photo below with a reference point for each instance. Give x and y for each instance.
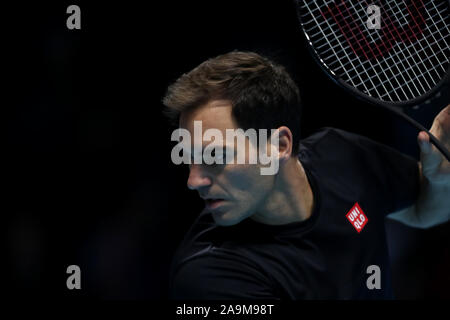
(215, 114)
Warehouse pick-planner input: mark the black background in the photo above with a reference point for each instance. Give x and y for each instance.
(88, 175)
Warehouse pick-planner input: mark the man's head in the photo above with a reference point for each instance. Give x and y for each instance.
(237, 90)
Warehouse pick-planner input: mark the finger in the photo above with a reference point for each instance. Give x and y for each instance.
(424, 142)
(441, 123)
(430, 157)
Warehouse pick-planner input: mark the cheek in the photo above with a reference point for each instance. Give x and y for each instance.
(247, 181)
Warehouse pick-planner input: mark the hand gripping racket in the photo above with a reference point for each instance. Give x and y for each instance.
(390, 53)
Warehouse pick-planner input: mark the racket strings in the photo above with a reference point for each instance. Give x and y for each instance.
(409, 68)
(403, 60)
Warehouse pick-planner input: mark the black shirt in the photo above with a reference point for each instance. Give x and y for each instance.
(323, 257)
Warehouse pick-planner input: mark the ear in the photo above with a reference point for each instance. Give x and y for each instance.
(284, 137)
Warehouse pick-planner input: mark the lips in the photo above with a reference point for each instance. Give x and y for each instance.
(213, 203)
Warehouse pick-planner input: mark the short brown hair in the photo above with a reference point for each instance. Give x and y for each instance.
(262, 94)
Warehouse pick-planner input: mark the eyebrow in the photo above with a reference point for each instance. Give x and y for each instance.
(225, 147)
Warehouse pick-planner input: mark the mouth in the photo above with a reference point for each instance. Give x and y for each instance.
(213, 203)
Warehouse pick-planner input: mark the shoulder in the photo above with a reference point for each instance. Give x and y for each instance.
(215, 274)
(327, 135)
(336, 144)
(338, 153)
(332, 147)
(196, 242)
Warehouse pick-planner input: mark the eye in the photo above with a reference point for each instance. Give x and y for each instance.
(219, 157)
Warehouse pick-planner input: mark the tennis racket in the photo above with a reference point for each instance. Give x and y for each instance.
(390, 53)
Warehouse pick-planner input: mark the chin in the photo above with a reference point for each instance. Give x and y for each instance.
(223, 219)
(226, 219)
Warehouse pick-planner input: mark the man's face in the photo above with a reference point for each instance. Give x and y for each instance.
(232, 192)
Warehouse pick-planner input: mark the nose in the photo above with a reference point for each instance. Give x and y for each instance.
(198, 177)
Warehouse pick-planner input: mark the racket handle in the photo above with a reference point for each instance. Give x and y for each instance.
(433, 139)
(439, 145)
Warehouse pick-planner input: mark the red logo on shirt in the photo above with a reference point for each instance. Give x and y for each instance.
(357, 217)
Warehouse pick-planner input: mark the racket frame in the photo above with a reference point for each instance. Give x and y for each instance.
(395, 107)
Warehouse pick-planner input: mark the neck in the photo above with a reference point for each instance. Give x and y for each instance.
(291, 199)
